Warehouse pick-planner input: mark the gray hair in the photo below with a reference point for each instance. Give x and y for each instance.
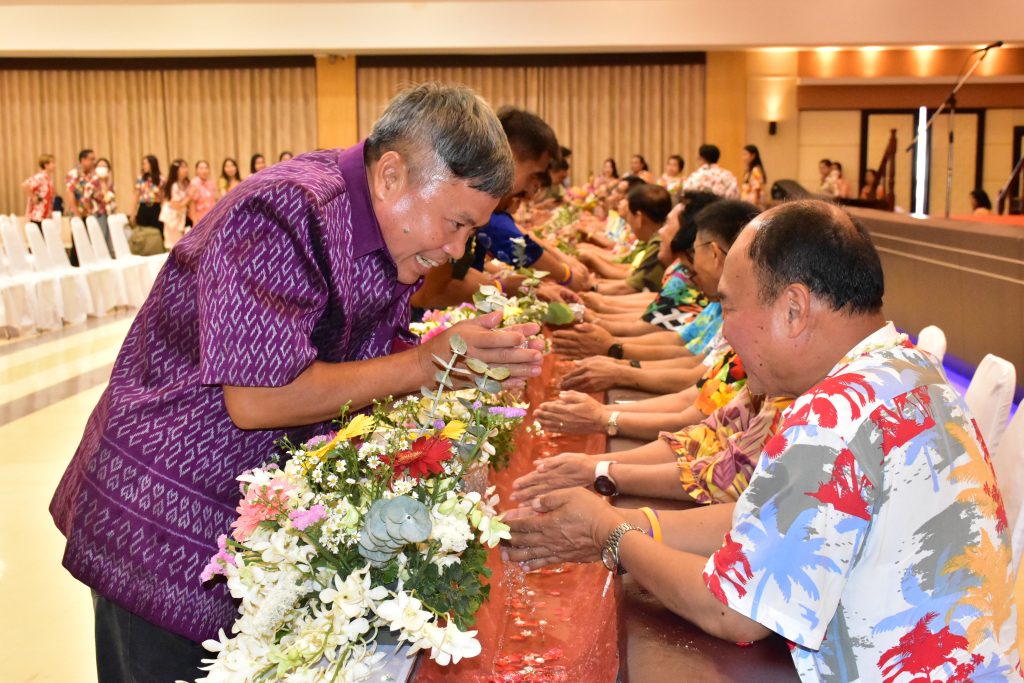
(448, 126)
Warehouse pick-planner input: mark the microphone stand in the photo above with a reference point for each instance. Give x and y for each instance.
(949, 106)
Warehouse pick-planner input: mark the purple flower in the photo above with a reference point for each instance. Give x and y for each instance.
(477, 405)
(303, 519)
(508, 412)
(318, 440)
(438, 424)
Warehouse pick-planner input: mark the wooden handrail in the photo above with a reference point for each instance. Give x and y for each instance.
(886, 170)
(1001, 201)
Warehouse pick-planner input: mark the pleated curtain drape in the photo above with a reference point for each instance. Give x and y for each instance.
(124, 114)
(598, 111)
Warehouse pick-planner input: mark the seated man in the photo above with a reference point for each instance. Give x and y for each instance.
(711, 177)
(717, 227)
(712, 460)
(608, 252)
(647, 208)
(872, 535)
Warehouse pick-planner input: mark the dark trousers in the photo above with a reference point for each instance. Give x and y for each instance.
(129, 649)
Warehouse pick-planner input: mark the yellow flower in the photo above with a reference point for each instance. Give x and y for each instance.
(454, 430)
(512, 311)
(357, 426)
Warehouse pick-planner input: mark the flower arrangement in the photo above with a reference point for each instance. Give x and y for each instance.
(361, 535)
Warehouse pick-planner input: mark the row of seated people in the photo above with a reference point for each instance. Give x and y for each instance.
(843, 496)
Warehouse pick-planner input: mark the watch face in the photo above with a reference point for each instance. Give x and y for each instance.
(605, 486)
(608, 559)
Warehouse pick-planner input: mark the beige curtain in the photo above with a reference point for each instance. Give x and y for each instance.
(598, 111)
(202, 113)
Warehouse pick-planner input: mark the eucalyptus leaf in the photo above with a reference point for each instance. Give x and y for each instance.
(559, 314)
(476, 365)
(499, 373)
(459, 345)
(438, 359)
(427, 393)
(443, 379)
(491, 387)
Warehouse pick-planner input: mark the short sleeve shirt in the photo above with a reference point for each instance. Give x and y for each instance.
(678, 301)
(40, 201)
(872, 534)
(647, 271)
(502, 239)
(289, 269)
(85, 187)
(699, 334)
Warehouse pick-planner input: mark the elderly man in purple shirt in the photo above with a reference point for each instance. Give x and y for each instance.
(289, 300)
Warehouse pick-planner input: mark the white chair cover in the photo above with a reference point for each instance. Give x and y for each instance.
(990, 396)
(99, 242)
(136, 272)
(933, 340)
(15, 308)
(43, 293)
(119, 231)
(103, 281)
(75, 300)
(1008, 462)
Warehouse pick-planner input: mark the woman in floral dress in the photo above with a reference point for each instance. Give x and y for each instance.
(175, 206)
(149, 194)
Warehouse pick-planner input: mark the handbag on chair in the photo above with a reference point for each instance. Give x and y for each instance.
(146, 241)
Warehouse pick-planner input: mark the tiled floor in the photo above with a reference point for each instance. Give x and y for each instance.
(48, 386)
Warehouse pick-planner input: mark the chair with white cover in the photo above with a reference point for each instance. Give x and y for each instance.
(123, 253)
(103, 284)
(15, 308)
(132, 276)
(933, 340)
(1008, 462)
(990, 397)
(76, 302)
(43, 289)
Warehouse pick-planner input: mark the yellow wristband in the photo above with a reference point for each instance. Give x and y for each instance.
(652, 517)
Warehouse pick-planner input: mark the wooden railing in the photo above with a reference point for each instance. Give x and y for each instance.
(1010, 183)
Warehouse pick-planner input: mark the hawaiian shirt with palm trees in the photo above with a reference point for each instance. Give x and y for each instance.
(872, 534)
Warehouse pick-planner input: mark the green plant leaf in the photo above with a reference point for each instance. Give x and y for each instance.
(458, 345)
(476, 365)
(558, 314)
(499, 373)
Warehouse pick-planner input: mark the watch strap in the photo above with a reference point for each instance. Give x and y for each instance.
(602, 468)
(615, 538)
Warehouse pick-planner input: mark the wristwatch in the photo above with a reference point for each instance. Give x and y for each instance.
(615, 351)
(610, 551)
(603, 482)
(612, 428)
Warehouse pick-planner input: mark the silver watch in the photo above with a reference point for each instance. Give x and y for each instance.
(610, 551)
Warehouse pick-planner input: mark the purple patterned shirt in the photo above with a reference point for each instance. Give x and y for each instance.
(289, 268)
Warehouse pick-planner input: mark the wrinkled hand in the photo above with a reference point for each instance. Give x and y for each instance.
(508, 347)
(594, 374)
(568, 525)
(550, 291)
(560, 471)
(582, 341)
(572, 413)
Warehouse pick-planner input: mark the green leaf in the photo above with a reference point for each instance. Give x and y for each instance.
(559, 314)
(442, 379)
(491, 387)
(499, 373)
(476, 365)
(458, 345)
(438, 359)
(427, 393)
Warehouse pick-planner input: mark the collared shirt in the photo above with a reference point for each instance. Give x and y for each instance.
(717, 456)
(715, 179)
(699, 334)
(291, 268)
(40, 201)
(872, 534)
(501, 239)
(678, 302)
(149, 190)
(85, 187)
(647, 271)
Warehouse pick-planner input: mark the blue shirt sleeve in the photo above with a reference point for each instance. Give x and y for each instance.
(496, 238)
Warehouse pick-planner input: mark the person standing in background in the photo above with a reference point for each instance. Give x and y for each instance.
(106, 199)
(39, 189)
(202, 193)
(82, 185)
(230, 177)
(754, 177)
(257, 163)
(842, 187)
(149, 194)
(175, 207)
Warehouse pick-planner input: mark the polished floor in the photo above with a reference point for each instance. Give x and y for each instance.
(50, 383)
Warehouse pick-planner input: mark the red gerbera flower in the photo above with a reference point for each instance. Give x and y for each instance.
(426, 457)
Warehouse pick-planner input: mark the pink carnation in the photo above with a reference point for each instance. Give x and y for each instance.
(219, 561)
(303, 519)
(261, 503)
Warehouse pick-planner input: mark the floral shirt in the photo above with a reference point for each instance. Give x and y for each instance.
(715, 179)
(106, 199)
(753, 187)
(717, 456)
(678, 302)
(722, 381)
(85, 187)
(149, 192)
(872, 534)
(646, 272)
(40, 201)
(673, 185)
(699, 333)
